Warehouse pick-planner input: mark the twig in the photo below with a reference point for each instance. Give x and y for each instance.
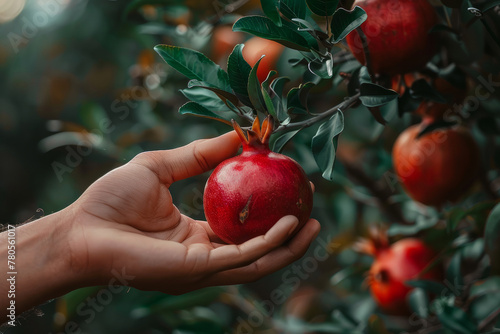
(344, 57)
(313, 120)
(448, 21)
(489, 320)
(366, 51)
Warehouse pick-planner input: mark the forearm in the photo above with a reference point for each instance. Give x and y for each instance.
(35, 264)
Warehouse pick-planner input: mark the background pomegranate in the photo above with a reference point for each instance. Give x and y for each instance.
(246, 195)
(437, 167)
(397, 33)
(255, 48)
(223, 41)
(394, 265)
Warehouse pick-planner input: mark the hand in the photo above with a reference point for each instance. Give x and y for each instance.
(126, 221)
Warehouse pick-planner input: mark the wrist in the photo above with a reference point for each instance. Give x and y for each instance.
(43, 266)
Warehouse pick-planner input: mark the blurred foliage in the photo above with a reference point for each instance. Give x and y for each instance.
(83, 92)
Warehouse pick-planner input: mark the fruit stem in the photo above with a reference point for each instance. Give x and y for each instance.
(366, 51)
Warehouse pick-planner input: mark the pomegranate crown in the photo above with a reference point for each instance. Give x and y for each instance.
(257, 135)
(376, 241)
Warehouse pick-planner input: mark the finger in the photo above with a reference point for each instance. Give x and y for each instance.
(193, 159)
(272, 261)
(312, 186)
(214, 238)
(234, 256)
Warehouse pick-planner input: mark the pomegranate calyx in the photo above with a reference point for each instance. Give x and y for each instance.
(376, 242)
(258, 136)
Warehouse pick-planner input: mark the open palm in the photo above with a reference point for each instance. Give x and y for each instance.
(126, 222)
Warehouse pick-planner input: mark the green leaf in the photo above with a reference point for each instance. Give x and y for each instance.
(193, 108)
(452, 3)
(206, 98)
(280, 101)
(187, 300)
(254, 90)
(230, 100)
(373, 95)
(322, 68)
(377, 114)
(293, 9)
(345, 21)
(271, 9)
(324, 143)
(456, 320)
(455, 217)
(421, 223)
(473, 250)
(297, 98)
(194, 65)
(427, 285)
(322, 7)
(364, 75)
(492, 239)
(479, 214)
(294, 103)
(419, 302)
(454, 270)
(421, 89)
(485, 297)
(488, 5)
(305, 88)
(407, 104)
(75, 298)
(239, 70)
(91, 115)
(282, 140)
(265, 94)
(265, 28)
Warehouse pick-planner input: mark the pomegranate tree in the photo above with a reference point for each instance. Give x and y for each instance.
(246, 195)
(397, 35)
(438, 166)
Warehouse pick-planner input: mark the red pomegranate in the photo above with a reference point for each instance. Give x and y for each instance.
(395, 264)
(246, 195)
(437, 167)
(397, 33)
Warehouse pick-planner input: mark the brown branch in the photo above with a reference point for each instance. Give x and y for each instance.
(313, 120)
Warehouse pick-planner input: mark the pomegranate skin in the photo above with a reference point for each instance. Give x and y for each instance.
(397, 32)
(393, 266)
(246, 195)
(437, 167)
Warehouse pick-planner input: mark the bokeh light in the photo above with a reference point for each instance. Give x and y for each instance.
(10, 9)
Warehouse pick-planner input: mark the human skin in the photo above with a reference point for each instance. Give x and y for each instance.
(126, 222)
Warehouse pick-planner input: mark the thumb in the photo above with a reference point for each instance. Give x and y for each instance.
(193, 159)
